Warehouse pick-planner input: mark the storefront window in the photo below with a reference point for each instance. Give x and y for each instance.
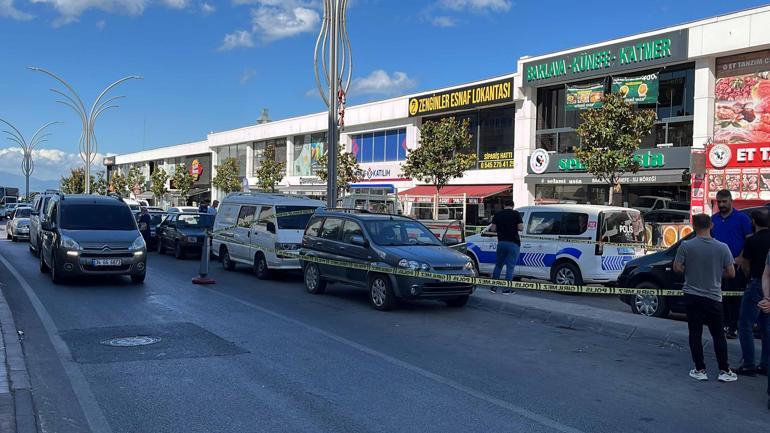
(380, 146)
(237, 151)
(259, 152)
(307, 153)
(582, 194)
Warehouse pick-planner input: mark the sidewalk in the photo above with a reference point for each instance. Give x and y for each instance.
(16, 410)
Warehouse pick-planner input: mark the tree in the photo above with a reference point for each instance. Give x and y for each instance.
(227, 179)
(75, 182)
(158, 187)
(136, 178)
(609, 137)
(99, 184)
(348, 170)
(183, 180)
(444, 153)
(270, 171)
(118, 183)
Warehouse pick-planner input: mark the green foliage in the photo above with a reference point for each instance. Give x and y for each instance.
(443, 153)
(158, 186)
(270, 172)
(118, 183)
(348, 170)
(75, 182)
(136, 178)
(99, 184)
(609, 137)
(183, 180)
(227, 179)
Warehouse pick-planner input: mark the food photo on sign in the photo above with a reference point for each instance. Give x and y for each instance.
(742, 93)
(741, 168)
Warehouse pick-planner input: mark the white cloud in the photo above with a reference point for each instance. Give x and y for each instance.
(207, 8)
(379, 82)
(101, 24)
(272, 20)
(50, 164)
(8, 10)
(177, 4)
(444, 21)
(71, 10)
(239, 38)
(477, 5)
(247, 75)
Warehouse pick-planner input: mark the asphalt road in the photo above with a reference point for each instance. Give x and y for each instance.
(252, 356)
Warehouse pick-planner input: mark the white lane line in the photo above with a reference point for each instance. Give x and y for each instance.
(524, 413)
(89, 405)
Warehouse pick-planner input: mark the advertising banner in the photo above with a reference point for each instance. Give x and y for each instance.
(583, 97)
(637, 90)
(741, 168)
(479, 95)
(742, 94)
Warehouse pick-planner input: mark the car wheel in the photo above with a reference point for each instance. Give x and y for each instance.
(475, 263)
(138, 278)
(161, 251)
(649, 305)
(380, 293)
(43, 267)
(260, 267)
(56, 276)
(457, 302)
(313, 281)
(566, 273)
(178, 251)
(227, 263)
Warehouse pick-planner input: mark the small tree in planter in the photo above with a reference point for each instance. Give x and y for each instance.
(270, 171)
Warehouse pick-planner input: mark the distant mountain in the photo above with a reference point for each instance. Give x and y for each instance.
(35, 185)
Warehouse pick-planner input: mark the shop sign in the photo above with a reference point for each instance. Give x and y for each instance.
(538, 162)
(108, 161)
(196, 169)
(742, 93)
(311, 181)
(637, 90)
(622, 56)
(584, 97)
(464, 98)
(646, 160)
(492, 160)
(741, 168)
(370, 173)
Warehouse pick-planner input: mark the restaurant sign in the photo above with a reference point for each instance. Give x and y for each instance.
(609, 59)
(478, 95)
(649, 159)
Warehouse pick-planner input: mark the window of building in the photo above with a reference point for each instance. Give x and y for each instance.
(258, 148)
(308, 150)
(380, 146)
(237, 151)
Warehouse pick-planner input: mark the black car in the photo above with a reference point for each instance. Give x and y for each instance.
(156, 218)
(655, 271)
(388, 241)
(183, 233)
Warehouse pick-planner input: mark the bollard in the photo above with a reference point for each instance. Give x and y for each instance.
(203, 269)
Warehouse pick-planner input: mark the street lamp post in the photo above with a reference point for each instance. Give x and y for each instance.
(27, 165)
(88, 145)
(339, 63)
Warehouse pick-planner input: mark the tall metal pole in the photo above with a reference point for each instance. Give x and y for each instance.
(88, 144)
(332, 140)
(27, 164)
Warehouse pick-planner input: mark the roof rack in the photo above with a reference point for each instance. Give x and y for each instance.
(346, 209)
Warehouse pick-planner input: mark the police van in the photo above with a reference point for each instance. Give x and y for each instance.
(252, 228)
(565, 243)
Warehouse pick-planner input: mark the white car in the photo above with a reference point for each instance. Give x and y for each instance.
(183, 209)
(251, 228)
(561, 243)
(18, 226)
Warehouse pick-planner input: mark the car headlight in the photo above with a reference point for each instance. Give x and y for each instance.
(69, 243)
(413, 265)
(138, 244)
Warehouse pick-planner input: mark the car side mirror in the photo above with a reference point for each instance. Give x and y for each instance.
(451, 241)
(271, 227)
(359, 240)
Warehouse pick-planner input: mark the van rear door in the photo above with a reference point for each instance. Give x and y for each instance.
(623, 226)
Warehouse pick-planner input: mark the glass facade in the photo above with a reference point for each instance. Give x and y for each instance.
(258, 148)
(380, 146)
(308, 150)
(237, 151)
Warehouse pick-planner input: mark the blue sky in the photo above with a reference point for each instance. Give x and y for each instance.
(212, 65)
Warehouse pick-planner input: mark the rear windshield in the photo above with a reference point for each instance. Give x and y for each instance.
(24, 212)
(622, 226)
(294, 217)
(157, 218)
(195, 221)
(96, 217)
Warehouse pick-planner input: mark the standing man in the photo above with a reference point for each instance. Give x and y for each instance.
(144, 224)
(753, 261)
(704, 261)
(764, 304)
(507, 223)
(213, 207)
(204, 207)
(731, 227)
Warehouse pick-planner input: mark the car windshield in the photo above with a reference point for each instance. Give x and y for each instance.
(195, 221)
(24, 212)
(397, 232)
(622, 226)
(157, 218)
(294, 217)
(79, 216)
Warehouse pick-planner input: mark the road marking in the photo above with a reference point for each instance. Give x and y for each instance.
(524, 413)
(89, 405)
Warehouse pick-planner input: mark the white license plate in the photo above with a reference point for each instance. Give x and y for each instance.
(106, 262)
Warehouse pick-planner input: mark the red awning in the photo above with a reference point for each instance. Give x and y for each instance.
(472, 191)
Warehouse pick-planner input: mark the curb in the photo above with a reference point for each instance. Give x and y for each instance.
(16, 406)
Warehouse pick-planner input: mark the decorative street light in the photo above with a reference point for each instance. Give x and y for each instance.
(334, 38)
(88, 145)
(27, 165)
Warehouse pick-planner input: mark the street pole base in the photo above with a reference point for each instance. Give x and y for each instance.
(203, 280)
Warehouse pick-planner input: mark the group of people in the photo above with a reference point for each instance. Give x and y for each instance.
(207, 207)
(729, 252)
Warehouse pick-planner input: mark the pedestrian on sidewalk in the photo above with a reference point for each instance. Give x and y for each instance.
(764, 304)
(731, 227)
(507, 223)
(704, 261)
(753, 261)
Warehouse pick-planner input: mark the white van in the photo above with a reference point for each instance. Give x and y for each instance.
(251, 227)
(546, 250)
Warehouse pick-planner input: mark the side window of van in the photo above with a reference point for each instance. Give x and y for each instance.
(331, 229)
(265, 215)
(544, 223)
(246, 216)
(314, 227)
(574, 223)
(227, 215)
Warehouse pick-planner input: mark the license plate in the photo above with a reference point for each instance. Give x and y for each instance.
(106, 262)
(624, 251)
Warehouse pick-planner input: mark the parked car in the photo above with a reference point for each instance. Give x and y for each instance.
(655, 271)
(185, 209)
(250, 228)
(84, 235)
(7, 209)
(39, 207)
(18, 226)
(666, 216)
(183, 233)
(548, 253)
(133, 205)
(385, 240)
(154, 209)
(648, 203)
